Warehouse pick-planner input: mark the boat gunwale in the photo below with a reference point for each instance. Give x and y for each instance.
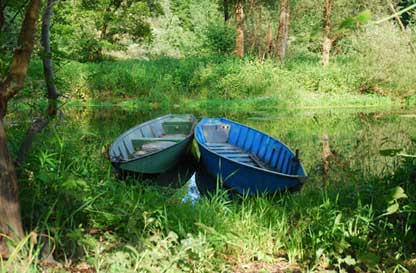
(245, 164)
(191, 133)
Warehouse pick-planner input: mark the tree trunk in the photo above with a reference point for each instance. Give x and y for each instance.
(10, 220)
(239, 40)
(226, 11)
(52, 92)
(47, 60)
(399, 21)
(21, 58)
(283, 31)
(2, 11)
(327, 43)
(37, 126)
(269, 39)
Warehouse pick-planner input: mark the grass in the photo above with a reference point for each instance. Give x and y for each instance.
(70, 192)
(167, 82)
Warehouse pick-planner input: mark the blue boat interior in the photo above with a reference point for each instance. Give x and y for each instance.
(248, 146)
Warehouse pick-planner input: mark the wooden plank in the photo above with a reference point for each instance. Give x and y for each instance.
(137, 143)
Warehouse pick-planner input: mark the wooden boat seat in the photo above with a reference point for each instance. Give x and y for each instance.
(139, 142)
(178, 136)
(177, 126)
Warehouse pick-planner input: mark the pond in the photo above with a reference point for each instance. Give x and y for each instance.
(358, 138)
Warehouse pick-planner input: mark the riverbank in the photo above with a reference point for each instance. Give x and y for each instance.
(168, 83)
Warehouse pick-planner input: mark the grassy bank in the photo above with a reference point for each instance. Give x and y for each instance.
(167, 83)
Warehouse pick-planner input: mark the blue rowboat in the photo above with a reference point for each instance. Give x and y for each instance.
(245, 159)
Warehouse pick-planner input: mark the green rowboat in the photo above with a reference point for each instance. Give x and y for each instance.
(154, 146)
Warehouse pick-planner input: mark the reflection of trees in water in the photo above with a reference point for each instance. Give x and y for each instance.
(355, 138)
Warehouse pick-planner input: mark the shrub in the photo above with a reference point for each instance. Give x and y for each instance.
(386, 60)
(220, 38)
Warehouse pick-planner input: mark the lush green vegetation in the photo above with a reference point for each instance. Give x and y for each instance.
(166, 83)
(118, 63)
(349, 223)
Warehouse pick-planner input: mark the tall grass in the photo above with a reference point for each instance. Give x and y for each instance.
(167, 82)
(386, 60)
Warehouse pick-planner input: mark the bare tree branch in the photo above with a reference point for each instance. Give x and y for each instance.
(409, 40)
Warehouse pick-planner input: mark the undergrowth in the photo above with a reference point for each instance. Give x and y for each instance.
(165, 82)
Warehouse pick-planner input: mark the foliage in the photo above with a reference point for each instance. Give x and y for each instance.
(180, 31)
(167, 80)
(220, 39)
(385, 59)
(84, 29)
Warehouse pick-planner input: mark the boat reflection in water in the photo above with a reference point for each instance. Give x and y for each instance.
(187, 172)
(209, 185)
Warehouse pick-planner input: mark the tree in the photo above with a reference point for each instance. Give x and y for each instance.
(47, 60)
(327, 43)
(102, 25)
(39, 124)
(2, 11)
(225, 6)
(10, 220)
(269, 41)
(239, 40)
(283, 30)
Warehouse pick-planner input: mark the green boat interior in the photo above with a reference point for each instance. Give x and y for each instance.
(152, 136)
(173, 131)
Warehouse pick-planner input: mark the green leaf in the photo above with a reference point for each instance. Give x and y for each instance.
(43, 176)
(397, 193)
(349, 260)
(74, 184)
(368, 258)
(390, 152)
(392, 209)
(406, 155)
(338, 219)
(351, 22)
(347, 23)
(363, 17)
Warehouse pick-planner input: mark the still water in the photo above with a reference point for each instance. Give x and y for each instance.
(356, 137)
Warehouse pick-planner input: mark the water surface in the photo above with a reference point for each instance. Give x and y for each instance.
(356, 136)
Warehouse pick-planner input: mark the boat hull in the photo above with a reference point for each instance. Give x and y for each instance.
(159, 162)
(246, 160)
(243, 179)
